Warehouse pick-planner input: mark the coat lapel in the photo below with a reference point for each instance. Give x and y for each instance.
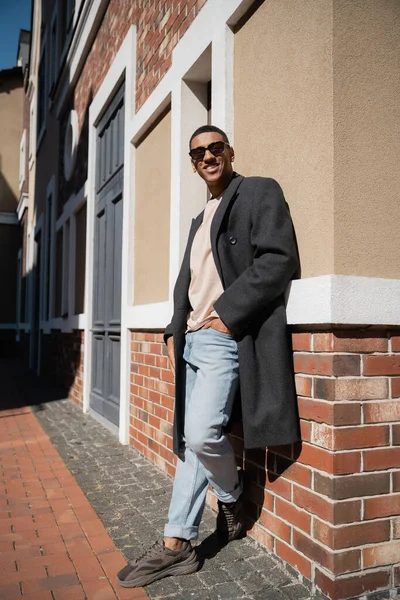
(227, 198)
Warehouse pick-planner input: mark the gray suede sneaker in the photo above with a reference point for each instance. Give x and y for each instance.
(158, 562)
(231, 524)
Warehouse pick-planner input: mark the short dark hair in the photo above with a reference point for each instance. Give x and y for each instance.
(208, 129)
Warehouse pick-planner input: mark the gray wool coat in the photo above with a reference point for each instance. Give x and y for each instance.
(255, 252)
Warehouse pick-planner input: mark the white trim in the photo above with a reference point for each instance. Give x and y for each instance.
(54, 51)
(209, 29)
(22, 205)
(19, 292)
(123, 64)
(8, 326)
(49, 266)
(65, 308)
(70, 321)
(71, 144)
(8, 218)
(154, 316)
(72, 205)
(67, 325)
(344, 300)
(33, 258)
(82, 41)
(22, 160)
(28, 275)
(32, 131)
(42, 57)
(222, 80)
(72, 266)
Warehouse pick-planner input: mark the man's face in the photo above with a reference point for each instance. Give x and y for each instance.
(213, 169)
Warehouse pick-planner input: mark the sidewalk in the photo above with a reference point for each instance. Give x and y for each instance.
(52, 544)
(62, 473)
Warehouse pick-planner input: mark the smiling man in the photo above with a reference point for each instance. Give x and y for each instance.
(229, 324)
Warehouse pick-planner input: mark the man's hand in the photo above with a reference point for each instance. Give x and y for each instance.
(171, 353)
(218, 325)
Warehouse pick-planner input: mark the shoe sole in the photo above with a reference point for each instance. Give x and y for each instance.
(186, 567)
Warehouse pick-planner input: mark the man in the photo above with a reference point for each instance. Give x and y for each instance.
(229, 320)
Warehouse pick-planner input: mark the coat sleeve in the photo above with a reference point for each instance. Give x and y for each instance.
(275, 260)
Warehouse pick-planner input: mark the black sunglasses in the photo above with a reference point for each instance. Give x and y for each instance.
(216, 148)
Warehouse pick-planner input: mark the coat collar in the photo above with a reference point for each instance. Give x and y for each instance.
(227, 198)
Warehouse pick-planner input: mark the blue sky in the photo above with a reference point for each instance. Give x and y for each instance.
(14, 15)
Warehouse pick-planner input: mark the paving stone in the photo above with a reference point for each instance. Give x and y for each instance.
(166, 587)
(131, 496)
(239, 569)
(253, 582)
(226, 591)
(213, 576)
(268, 593)
(292, 592)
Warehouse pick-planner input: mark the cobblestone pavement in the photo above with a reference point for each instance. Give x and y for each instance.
(131, 496)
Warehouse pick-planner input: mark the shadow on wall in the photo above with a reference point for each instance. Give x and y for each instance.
(8, 199)
(262, 470)
(10, 242)
(55, 355)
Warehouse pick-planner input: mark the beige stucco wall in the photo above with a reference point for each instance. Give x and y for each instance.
(283, 115)
(317, 88)
(152, 215)
(366, 45)
(11, 117)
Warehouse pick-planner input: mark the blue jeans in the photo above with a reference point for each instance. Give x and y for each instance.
(212, 378)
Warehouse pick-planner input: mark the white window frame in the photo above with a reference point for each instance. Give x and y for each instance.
(69, 26)
(70, 15)
(67, 222)
(54, 51)
(65, 306)
(32, 131)
(28, 311)
(48, 268)
(42, 127)
(18, 320)
(33, 258)
(22, 160)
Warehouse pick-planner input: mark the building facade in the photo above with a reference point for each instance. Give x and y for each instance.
(307, 91)
(11, 182)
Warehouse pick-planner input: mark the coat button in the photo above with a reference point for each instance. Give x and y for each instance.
(233, 240)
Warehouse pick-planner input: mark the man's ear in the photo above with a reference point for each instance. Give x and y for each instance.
(193, 166)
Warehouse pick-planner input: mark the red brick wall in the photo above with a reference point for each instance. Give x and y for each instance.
(329, 506)
(152, 393)
(160, 25)
(62, 361)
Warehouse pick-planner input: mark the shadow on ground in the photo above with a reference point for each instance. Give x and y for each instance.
(22, 387)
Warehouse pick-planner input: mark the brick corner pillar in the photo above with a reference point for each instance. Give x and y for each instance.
(345, 503)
